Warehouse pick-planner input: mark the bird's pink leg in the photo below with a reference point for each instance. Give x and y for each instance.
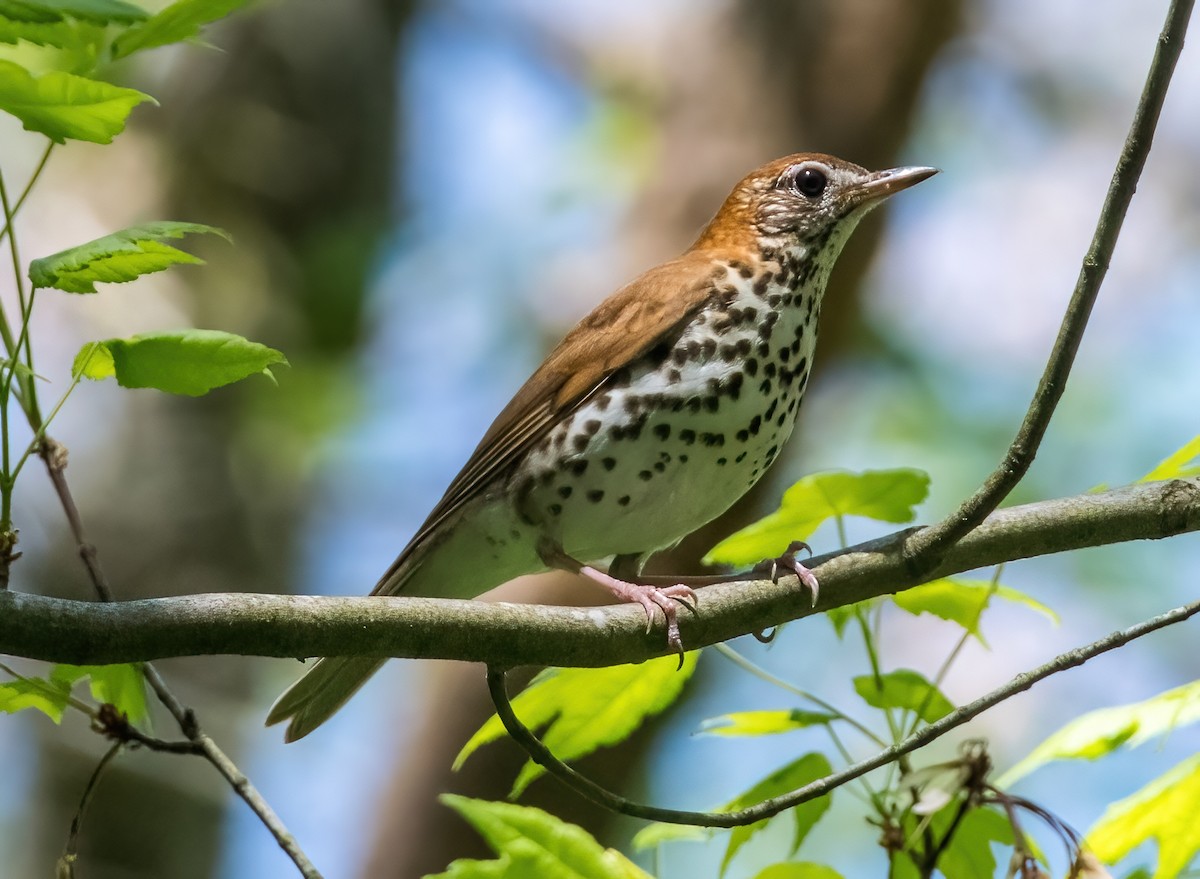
(665, 598)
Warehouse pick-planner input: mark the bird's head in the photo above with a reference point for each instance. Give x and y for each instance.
(805, 200)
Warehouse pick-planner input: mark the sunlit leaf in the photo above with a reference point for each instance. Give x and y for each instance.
(532, 843)
(1101, 732)
(962, 601)
(904, 689)
(1179, 465)
(48, 697)
(796, 774)
(1165, 811)
(884, 495)
(587, 708)
(182, 20)
(189, 362)
(764, 723)
(798, 870)
(121, 686)
(63, 105)
(119, 257)
(969, 854)
(657, 833)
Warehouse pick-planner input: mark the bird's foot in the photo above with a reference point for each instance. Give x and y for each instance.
(665, 598)
(790, 564)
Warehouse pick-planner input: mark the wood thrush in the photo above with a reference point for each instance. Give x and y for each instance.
(656, 412)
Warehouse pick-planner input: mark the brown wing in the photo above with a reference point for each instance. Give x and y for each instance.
(622, 328)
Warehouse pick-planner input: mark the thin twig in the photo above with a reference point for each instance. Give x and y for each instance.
(768, 808)
(927, 546)
(71, 848)
(54, 456)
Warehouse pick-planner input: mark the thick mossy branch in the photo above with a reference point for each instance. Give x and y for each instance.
(507, 635)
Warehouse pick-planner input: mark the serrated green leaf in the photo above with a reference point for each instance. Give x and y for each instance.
(48, 697)
(764, 723)
(905, 689)
(531, 843)
(588, 708)
(188, 362)
(1165, 811)
(121, 685)
(119, 257)
(883, 495)
(1101, 732)
(63, 105)
(962, 601)
(657, 833)
(96, 11)
(799, 870)
(1180, 464)
(796, 774)
(182, 20)
(969, 854)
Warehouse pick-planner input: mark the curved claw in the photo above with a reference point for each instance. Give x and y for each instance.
(789, 563)
(765, 636)
(665, 598)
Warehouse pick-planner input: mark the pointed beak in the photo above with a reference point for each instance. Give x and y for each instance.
(882, 184)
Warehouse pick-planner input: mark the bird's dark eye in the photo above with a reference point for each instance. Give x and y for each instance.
(809, 182)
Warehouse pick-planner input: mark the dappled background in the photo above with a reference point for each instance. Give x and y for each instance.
(424, 198)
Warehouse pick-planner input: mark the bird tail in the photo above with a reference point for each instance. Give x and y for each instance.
(324, 689)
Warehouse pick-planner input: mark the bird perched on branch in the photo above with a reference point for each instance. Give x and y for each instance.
(656, 412)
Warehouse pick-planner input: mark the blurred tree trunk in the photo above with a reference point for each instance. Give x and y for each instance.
(759, 81)
(286, 137)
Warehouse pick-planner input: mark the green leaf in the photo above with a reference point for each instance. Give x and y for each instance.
(48, 697)
(840, 617)
(121, 686)
(119, 257)
(96, 11)
(532, 843)
(180, 21)
(764, 723)
(657, 833)
(799, 870)
(588, 708)
(1101, 732)
(189, 362)
(962, 601)
(59, 34)
(63, 105)
(884, 495)
(1164, 810)
(904, 689)
(969, 854)
(1178, 465)
(796, 774)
